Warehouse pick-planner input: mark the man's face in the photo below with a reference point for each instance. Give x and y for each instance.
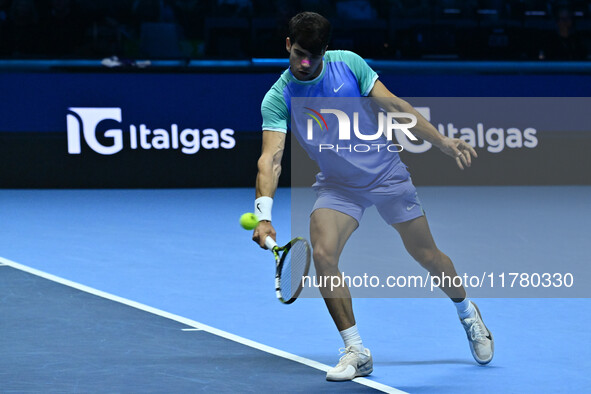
(304, 65)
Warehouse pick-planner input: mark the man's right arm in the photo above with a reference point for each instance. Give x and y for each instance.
(269, 170)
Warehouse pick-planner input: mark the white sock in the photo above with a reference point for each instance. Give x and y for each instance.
(351, 338)
(465, 308)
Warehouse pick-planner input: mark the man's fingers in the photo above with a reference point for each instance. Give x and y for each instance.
(466, 158)
(263, 242)
(256, 237)
(466, 152)
(260, 235)
(464, 146)
(455, 151)
(460, 157)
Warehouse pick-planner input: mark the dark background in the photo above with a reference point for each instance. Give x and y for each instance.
(243, 29)
(211, 62)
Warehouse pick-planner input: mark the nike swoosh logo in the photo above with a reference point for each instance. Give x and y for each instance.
(259, 208)
(339, 88)
(411, 207)
(489, 337)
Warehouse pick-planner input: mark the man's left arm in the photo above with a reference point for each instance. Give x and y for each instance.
(460, 150)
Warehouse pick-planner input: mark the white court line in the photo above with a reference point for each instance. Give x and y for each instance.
(247, 342)
(191, 329)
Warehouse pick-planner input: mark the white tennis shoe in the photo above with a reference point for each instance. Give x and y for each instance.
(480, 338)
(353, 364)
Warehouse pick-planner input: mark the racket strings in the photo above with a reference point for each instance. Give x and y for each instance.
(294, 268)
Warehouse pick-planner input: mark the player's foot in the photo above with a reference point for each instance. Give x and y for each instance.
(480, 338)
(353, 364)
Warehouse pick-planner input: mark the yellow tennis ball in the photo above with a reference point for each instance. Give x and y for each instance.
(249, 221)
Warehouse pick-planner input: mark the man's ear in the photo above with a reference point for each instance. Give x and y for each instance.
(288, 44)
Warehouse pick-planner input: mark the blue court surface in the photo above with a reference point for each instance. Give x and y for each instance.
(127, 291)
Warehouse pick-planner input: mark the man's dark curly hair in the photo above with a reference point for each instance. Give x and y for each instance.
(310, 30)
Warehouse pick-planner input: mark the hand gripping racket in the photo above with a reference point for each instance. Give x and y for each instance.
(292, 264)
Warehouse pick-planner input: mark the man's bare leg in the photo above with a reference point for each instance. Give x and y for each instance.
(419, 243)
(329, 231)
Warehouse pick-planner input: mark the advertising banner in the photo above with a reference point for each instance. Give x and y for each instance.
(86, 130)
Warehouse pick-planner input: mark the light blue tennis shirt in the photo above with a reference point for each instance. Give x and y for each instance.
(344, 74)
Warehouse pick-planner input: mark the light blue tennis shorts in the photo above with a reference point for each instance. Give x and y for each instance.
(396, 200)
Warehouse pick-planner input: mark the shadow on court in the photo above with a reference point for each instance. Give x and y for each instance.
(433, 362)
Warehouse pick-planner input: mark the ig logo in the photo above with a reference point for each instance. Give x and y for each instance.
(85, 121)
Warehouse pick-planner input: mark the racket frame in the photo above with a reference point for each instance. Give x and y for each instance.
(279, 261)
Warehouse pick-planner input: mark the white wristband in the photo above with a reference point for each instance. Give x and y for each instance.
(262, 208)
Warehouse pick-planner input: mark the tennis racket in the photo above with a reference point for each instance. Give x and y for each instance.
(292, 263)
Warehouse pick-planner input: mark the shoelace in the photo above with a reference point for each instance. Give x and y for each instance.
(348, 352)
(477, 331)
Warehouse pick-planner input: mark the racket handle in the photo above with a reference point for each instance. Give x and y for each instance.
(270, 243)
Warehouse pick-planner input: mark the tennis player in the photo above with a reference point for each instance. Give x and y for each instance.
(346, 187)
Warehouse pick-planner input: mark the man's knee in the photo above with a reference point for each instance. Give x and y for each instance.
(324, 259)
(429, 258)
